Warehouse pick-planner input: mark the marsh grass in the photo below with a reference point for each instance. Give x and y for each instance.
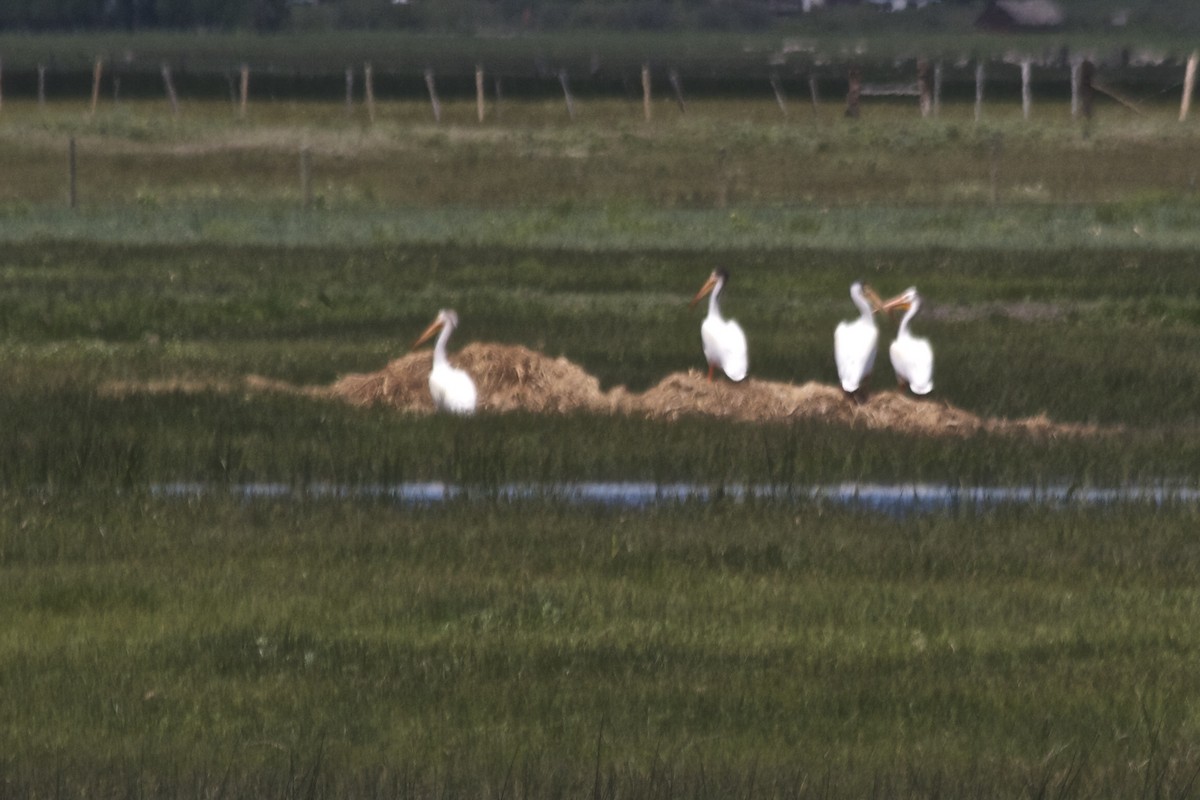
(777, 648)
(211, 645)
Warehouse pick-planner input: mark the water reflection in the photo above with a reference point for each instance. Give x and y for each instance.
(899, 499)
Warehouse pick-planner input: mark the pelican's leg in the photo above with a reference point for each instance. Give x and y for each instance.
(710, 372)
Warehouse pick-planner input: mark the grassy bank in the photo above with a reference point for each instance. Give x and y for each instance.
(334, 649)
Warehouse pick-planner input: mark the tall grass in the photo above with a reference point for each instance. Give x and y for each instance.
(774, 649)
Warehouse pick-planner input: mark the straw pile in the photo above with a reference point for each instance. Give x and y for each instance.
(509, 378)
(512, 378)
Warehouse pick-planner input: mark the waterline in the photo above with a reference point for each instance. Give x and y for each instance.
(887, 498)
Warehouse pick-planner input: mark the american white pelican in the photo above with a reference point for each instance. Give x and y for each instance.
(854, 342)
(723, 339)
(912, 357)
(452, 388)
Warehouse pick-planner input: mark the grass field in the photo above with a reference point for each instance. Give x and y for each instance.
(211, 645)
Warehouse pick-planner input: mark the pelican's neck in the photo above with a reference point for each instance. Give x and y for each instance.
(714, 309)
(860, 301)
(908, 315)
(439, 349)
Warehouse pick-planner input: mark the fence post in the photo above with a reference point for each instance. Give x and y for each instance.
(349, 91)
(1087, 93)
(41, 85)
(812, 91)
(1189, 83)
(1075, 72)
(71, 173)
(480, 109)
(853, 92)
(777, 88)
(433, 98)
(646, 106)
(1026, 91)
(1, 83)
(97, 70)
(979, 75)
(244, 90)
(562, 78)
(677, 85)
(369, 88)
(924, 92)
(172, 98)
(937, 89)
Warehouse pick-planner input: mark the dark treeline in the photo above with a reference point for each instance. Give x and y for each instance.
(474, 16)
(465, 16)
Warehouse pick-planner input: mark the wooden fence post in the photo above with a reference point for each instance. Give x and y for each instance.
(646, 106)
(677, 86)
(924, 91)
(499, 97)
(1189, 84)
(853, 91)
(1075, 71)
(97, 70)
(172, 98)
(1026, 91)
(349, 91)
(41, 85)
(244, 91)
(369, 89)
(812, 91)
(1087, 92)
(71, 173)
(777, 88)
(979, 76)
(937, 89)
(566, 87)
(433, 98)
(479, 105)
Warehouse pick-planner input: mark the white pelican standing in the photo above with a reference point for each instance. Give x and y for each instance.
(452, 388)
(854, 342)
(912, 357)
(723, 339)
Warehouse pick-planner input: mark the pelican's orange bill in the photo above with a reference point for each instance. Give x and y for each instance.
(429, 332)
(705, 289)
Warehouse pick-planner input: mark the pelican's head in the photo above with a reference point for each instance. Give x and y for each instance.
(715, 282)
(446, 318)
(859, 289)
(903, 301)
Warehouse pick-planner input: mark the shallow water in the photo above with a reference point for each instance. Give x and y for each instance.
(899, 499)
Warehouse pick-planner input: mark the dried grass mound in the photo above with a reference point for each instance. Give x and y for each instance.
(691, 394)
(508, 377)
(768, 401)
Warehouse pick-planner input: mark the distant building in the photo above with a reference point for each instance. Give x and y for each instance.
(1012, 15)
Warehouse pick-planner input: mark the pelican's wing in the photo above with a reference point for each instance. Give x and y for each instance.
(735, 355)
(725, 345)
(912, 358)
(854, 351)
(452, 390)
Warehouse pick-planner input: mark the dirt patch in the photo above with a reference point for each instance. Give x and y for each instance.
(513, 378)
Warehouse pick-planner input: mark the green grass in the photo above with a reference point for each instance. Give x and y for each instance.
(211, 645)
(182, 644)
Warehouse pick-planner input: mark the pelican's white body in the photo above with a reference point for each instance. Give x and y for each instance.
(912, 356)
(723, 339)
(854, 343)
(452, 388)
